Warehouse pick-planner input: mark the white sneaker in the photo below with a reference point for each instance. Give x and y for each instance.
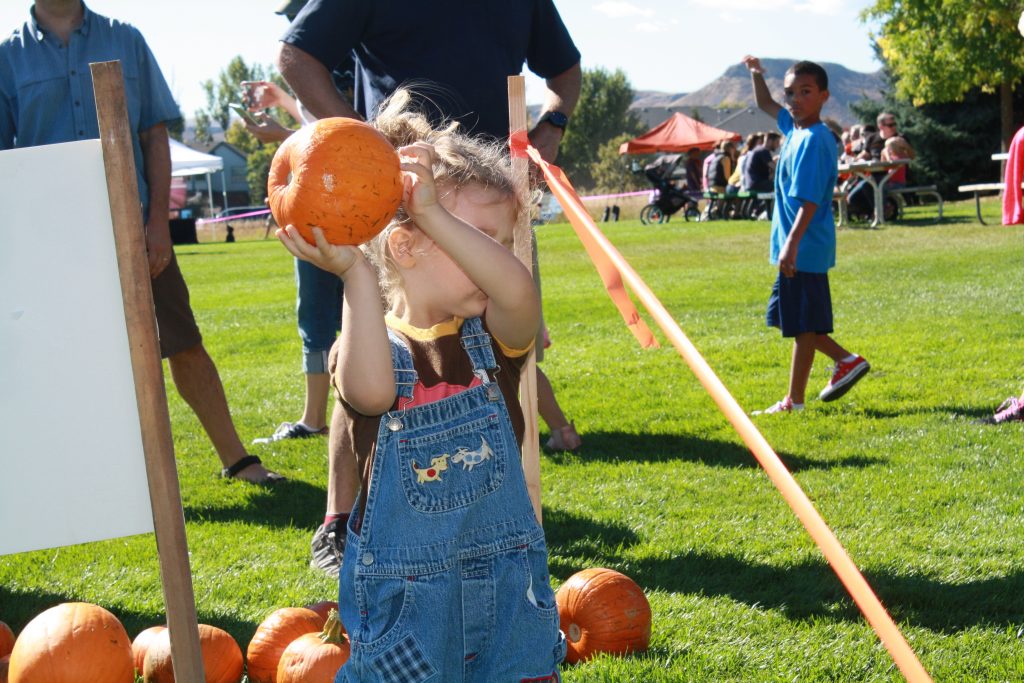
(786, 405)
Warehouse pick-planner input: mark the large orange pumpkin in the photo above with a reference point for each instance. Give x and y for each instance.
(222, 658)
(272, 637)
(6, 639)
(315, 657)
(345, 179)
(71, 643)
(602, 610)
(141, 645)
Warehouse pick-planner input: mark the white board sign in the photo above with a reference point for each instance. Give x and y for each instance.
(71, 462)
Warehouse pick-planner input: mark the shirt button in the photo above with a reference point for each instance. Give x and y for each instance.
(73, 72)
(368, 559)
(77, 103)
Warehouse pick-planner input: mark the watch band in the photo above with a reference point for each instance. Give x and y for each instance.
(555, 118)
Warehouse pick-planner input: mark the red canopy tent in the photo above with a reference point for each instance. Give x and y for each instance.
(679, 133)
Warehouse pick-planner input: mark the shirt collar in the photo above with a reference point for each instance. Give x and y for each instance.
(38, 31)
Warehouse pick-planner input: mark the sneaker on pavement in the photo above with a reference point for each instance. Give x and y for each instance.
(1011, 410)
(784, 406)
(291, 430)
(844, 376)
(328, 547)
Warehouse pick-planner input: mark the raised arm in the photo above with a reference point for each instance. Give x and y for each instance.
(513, 307)
(364, 373)
(762, 95)
(312, 84)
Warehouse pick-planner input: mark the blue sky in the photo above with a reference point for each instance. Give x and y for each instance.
(667, 45)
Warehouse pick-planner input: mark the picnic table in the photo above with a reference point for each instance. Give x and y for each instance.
(978, 188)
(867, 171)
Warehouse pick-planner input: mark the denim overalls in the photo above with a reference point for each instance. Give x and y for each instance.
(447, 579)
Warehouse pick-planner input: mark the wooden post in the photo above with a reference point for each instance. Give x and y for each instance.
(524, 251)
(158, 448)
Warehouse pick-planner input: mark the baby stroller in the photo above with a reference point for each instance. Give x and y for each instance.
(666, 176)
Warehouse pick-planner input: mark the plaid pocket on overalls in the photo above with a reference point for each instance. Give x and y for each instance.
(404, 663)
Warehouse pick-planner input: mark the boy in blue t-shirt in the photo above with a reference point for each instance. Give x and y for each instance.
(803, 242)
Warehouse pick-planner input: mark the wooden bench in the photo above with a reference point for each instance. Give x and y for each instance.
(977, 189)
(920, 191)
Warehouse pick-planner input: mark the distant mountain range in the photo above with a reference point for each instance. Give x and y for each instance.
(732, 91)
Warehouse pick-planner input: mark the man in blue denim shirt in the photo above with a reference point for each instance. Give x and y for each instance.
(46, 97)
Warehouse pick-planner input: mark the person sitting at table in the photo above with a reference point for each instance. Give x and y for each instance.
(720, 167)
(753, 141)
(862, 198)
(856, 141)
(694, 171)
(897, 148)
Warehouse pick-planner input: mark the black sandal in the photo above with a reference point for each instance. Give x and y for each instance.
(232, 471)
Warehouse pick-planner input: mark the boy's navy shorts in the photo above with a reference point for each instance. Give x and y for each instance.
(799, 304)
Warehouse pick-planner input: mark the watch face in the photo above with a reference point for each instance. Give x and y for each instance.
(556, 118)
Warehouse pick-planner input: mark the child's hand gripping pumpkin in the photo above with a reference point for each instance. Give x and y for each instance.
(334, 258)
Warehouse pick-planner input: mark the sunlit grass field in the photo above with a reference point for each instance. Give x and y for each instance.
(927, 503)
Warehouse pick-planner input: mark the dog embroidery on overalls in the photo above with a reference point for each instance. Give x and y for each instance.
(432, 473)
(471, 459)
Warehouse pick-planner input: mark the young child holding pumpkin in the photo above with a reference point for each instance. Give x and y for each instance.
(444, 575)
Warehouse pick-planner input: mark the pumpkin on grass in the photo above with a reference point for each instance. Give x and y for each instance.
(272, 637)
(222, 658)
(6, 639)
(602, 610)
(315, 657)
(338, 174)
(141, 645)
(71, 643)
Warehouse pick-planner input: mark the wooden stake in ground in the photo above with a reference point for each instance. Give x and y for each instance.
(524, 251)
(155, 422)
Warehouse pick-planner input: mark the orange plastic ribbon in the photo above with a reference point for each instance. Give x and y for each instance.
(608, 260)
(590, 236)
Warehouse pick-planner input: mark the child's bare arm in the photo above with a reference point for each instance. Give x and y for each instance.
(762, 95)
(364, 373)
(513, 308)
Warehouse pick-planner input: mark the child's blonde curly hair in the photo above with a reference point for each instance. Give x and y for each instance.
(459, 161)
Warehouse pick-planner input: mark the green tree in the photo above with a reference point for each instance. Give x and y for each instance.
(225, 89)
(953, 140)
(940, 50)
(613, 172)
(602, 114)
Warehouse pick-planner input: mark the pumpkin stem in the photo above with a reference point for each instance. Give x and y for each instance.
(333, 631)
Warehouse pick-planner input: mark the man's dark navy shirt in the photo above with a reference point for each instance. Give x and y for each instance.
(456, 54)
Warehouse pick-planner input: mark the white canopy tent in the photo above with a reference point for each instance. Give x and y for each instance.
(186, 161)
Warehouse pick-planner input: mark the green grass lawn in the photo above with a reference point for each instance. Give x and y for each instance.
(927, 503)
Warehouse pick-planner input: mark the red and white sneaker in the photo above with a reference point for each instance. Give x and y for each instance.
(844, 376)
(786, 405)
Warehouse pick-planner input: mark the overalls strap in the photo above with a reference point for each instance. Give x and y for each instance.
(401, 360)
(477, 343)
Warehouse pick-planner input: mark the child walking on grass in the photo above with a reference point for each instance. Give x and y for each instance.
(803, 241)
(444, 575)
